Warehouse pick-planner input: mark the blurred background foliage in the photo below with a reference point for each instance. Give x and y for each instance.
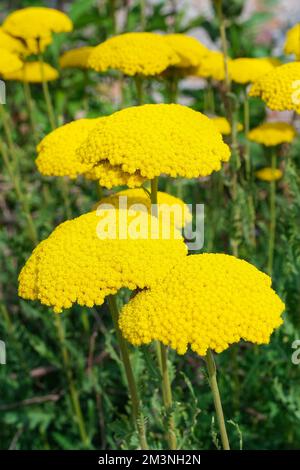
(260, 386)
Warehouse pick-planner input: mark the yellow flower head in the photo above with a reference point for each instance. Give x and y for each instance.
(223, 125)
(272, 133)
(248, 70)
(269, 174)
(212, 66)
(292, 41)
(9, 62)
(76, 58)
(134, 53)
(11, 44)
(280, 88)
(157, 139)
(189, 50)
(57, 151)
(110, 176)
(77, 265)
(205, 301)
(170, 207)
(31, 72)
(35, 25)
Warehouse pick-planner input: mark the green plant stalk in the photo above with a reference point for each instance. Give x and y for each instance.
(139, 81)
(8, 134)
(21, 197)
(46, 93)
(143, 14)
(173, 88)
(28, 101)
(272, 228)
(71, 383)
(222, 28)
(246, 130)
(212, 376)
(135, 401)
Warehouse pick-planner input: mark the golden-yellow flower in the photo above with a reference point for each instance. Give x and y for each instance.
(170, 208)
(31, 72)
(272, 133)
(247, 70)
(292, 41)
(205, 301)
(10, 43)
(110, 176)
(212, 66)
(269, 174)
(35, 25)
(223, 125)
(189, 50)
(134, 53)
(157, 139)
(9, 62)
(80, 263)
(280, 88)
(76, 58)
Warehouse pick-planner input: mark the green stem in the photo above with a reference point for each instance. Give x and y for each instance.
(222, 28)
(47, 96)
(173, 89)
(272, 216)
(139, 89)
(28, 100)
(167, 396)
(72, 386)
(246, 130)
(135, 401)
(143, 14)
(212, 375)
(9, 137)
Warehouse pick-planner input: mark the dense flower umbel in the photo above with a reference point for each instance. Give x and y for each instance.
(11, 44)
(31, 72)
(292, 42)
(9, 62)
(205, 301)
(223, 125)
(269, 174)
(167, 205)
(279, 89)
(74, 265)
(212, 66)
(189, 50)
(155, 139)
(35, 25)
(134, 53)
(76, 58)
(110, 176)
(247, 70)
(272, 133)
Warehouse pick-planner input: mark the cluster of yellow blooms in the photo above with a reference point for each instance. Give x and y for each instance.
(269, 174)
(248, 70)
(189, 50)
(110, 176)
(32, 72)
(272, 133)
(207, 301)
(80, 262)
(280, 87)
(157, 139)
(292, 42)
(223, 125)
(212, 66)
(35, 25)
(168, 205)
(9, 62)
(76, 58)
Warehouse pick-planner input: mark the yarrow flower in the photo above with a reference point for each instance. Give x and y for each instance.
(134, 53)
(76, 58)
(248, 70)
(156, 139)
(9, 62)
(280, 88)
(110, 176)
(35, 25)
(223, 125)
(11, 44)
(79, 263)
(272, 133)
(31, 72)
(189, 50)
(292, 41)
(269, 174)
(205, 301)
(170, 208)
(212, 66)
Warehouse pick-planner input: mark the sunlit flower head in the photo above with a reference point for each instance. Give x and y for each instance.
(292, 41)
(212, 66)
(205, 301)
(272, 133)
(35, 25)
(76, 265)
(31, 72)
(110, 176)
(189, 50)
(223, 125)
(75, 58)
(247, 70)
(157, 139)
(134, 54)
(269, 174)
(11, 44)
(280, 88)
(9, 62)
